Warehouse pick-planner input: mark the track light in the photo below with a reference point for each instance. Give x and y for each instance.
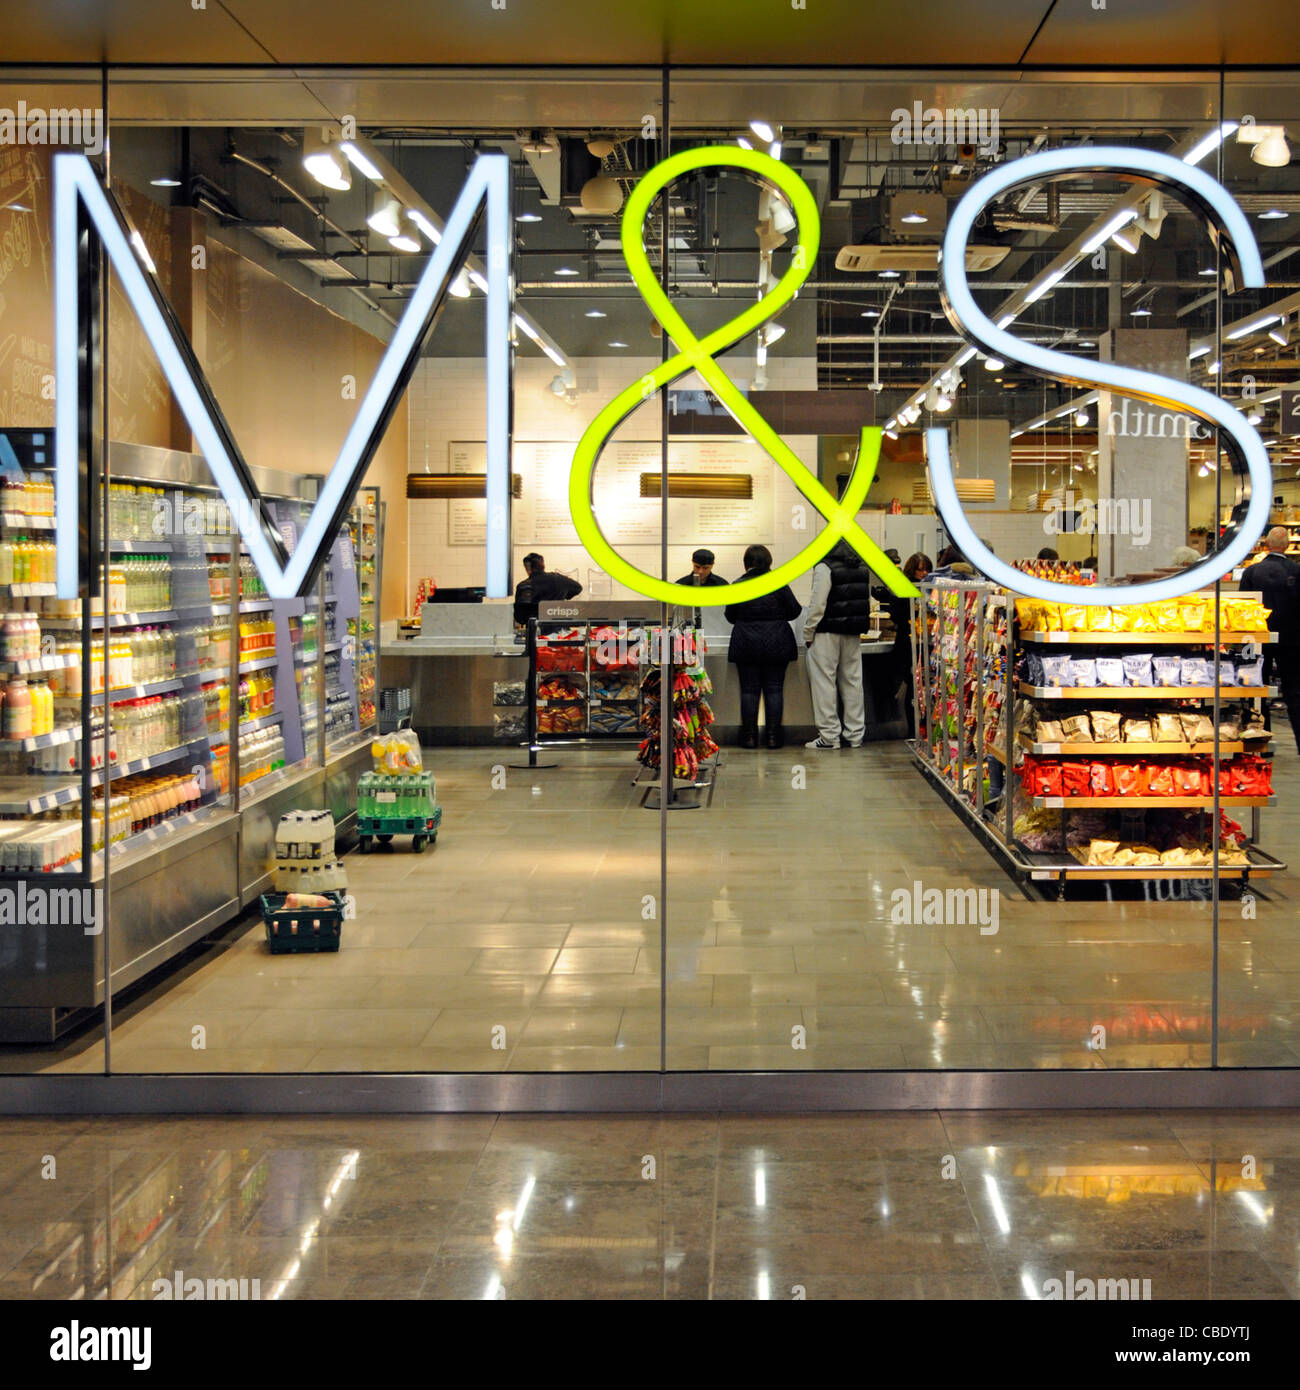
(1128, 239)
(943, 402)
(772, 332)
(1253, 417)
(1280, 334)
(403, 242)
(459, 286)
(324, 161)
(1081, 418)
(386, 218)
(993, 364)
(763, 131)
(1272, 151)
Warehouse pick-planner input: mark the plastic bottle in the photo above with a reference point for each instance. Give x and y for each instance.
(18, 709)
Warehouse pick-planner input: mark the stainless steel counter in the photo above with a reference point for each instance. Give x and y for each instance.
(451, 681)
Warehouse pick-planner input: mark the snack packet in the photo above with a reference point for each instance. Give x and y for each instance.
(1083, 671)
(1167, 670)
(1105, 725)
(1110, 670)
(1137, 669)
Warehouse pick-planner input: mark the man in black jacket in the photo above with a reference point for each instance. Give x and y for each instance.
(701, 576)
(541, 587)
(1277, 579)
(839, 612)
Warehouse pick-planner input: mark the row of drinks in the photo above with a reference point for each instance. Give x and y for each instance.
(27, 496)
(251, 585)
(24, 561)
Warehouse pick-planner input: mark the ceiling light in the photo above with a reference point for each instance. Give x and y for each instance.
(1198, 352)
(529, 217)
(1121, 219)
(15, 207)
(1086, 342)
(1253, 326)
(1273, 215)
(775, 149)
(1203, 471)
(403, 242)
(1040, 289)
(477, 280)
(1209, 270)
(594, 314)
(617, 344)
(176, 183)
(360, 162)
(324, 162)
(893, 434)
(566, 270)
(772, 332)
(889, 275)
(1213, 368)
(782, 218)
(424, 225)
(1081, 418)
(1272, 151)
(961, 362)
(1280, 334)
(386, 218)
(871, 313)
(942, 401)
(743, 143)
(763, 131)
(1211, 142)
(1253, 417)
(1141, 312)
(1006, 319)
(914, 219)
(1128, 239)
(459, 287)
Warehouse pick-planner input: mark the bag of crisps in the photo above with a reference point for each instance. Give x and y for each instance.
(1167, 616)
(1101, 619)
(1074, 617)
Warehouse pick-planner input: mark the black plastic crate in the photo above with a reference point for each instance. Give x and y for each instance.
(295, 929)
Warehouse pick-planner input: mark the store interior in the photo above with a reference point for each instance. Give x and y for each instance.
(935, 898)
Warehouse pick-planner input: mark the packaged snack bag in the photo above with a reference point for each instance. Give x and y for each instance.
(1130, 778)
(1137, 669)
(1101, 619)
(1049, 616)
(1049, 731)
(1105, 726)
(1143, 619)
(1196, 670)
(1100, 779)
(1076, 728)
(1136, 730)
(1121, 617)
(1083, 670)
(1048, 780)
(1076, 779)
(1160, 780)
(1194, 612)
(1188, 779)
(1110, 670)
(1057, 672)
(1167, 670)
(1102, 852)
(1248, 672)
(1197, 727)
(1167, 616)
(1074, 617)
(1029, 615)
(1168, 729)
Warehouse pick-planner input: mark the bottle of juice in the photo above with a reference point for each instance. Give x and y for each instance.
(18, 710)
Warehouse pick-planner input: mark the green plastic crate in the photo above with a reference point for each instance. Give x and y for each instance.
(296, 929)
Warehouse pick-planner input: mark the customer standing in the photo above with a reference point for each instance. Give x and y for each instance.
(701, 576)
(917, 568)
(762, 646)
(541, 586)
(839, 612)
(1278, 580)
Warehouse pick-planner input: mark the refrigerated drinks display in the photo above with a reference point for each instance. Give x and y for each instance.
(155, 729)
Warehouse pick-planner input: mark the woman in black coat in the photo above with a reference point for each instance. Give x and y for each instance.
(762, 646)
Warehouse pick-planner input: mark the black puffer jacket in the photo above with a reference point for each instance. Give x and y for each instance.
(762, 634)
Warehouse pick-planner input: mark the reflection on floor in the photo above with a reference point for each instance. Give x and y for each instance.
(528, 938)
(897, 1206)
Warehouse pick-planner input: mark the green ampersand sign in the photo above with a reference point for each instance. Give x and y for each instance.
(697, 355)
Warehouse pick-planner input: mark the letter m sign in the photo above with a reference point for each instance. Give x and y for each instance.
(88, 217)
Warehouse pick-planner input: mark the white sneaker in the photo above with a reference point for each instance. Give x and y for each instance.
(821, 743)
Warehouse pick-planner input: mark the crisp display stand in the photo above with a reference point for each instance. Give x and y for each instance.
(980, 716)
(695, 756)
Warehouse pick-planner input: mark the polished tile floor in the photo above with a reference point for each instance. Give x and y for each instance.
(529, 938)
(884, 1206)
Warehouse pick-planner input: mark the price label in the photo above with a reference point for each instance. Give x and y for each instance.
(385, 796)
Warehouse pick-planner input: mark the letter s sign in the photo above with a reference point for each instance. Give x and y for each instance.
(1249, 457)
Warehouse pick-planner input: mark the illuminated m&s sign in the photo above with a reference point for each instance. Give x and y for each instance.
(84, 210)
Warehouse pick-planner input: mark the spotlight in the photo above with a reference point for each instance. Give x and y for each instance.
(1273, 215)
(1128, 239)
(1280, 333)
(763, 131)
(1253, 417)
(386, 218)
(1272, 151)
(595, 314)
(993, 364)
(942, 402)
(459, 287)
(403, 242)
(323, 160)
(1081, 418)
(1141, 312)
(529, 217)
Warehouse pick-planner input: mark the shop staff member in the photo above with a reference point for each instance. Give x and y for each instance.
(839, 612)
(701, 576)
(541, 587)
(1278, 580)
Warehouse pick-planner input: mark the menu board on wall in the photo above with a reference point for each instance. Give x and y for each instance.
(541, 514)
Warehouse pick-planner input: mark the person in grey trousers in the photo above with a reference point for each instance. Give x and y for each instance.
(839, 612)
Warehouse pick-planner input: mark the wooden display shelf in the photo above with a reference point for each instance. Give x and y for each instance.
(1144, 803)
(1128, 749)
(1102, 693)
(1143, 639)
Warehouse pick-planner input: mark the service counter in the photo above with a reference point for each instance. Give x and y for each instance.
(464, 650)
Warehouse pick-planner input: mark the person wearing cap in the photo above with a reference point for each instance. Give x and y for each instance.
(701, 576)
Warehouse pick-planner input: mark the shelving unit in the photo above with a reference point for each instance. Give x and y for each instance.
(572, 671)
(951, 622)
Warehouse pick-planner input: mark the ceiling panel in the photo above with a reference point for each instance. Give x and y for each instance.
(1170, 31)
(126, 31)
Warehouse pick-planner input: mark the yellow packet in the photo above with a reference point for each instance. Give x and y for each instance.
(1166, 614)
(1074, 617)
(1193, 614)
(1028, 615)
(1143, 618)
(1101, 619)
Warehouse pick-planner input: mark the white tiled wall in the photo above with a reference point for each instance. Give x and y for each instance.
(446, 404)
